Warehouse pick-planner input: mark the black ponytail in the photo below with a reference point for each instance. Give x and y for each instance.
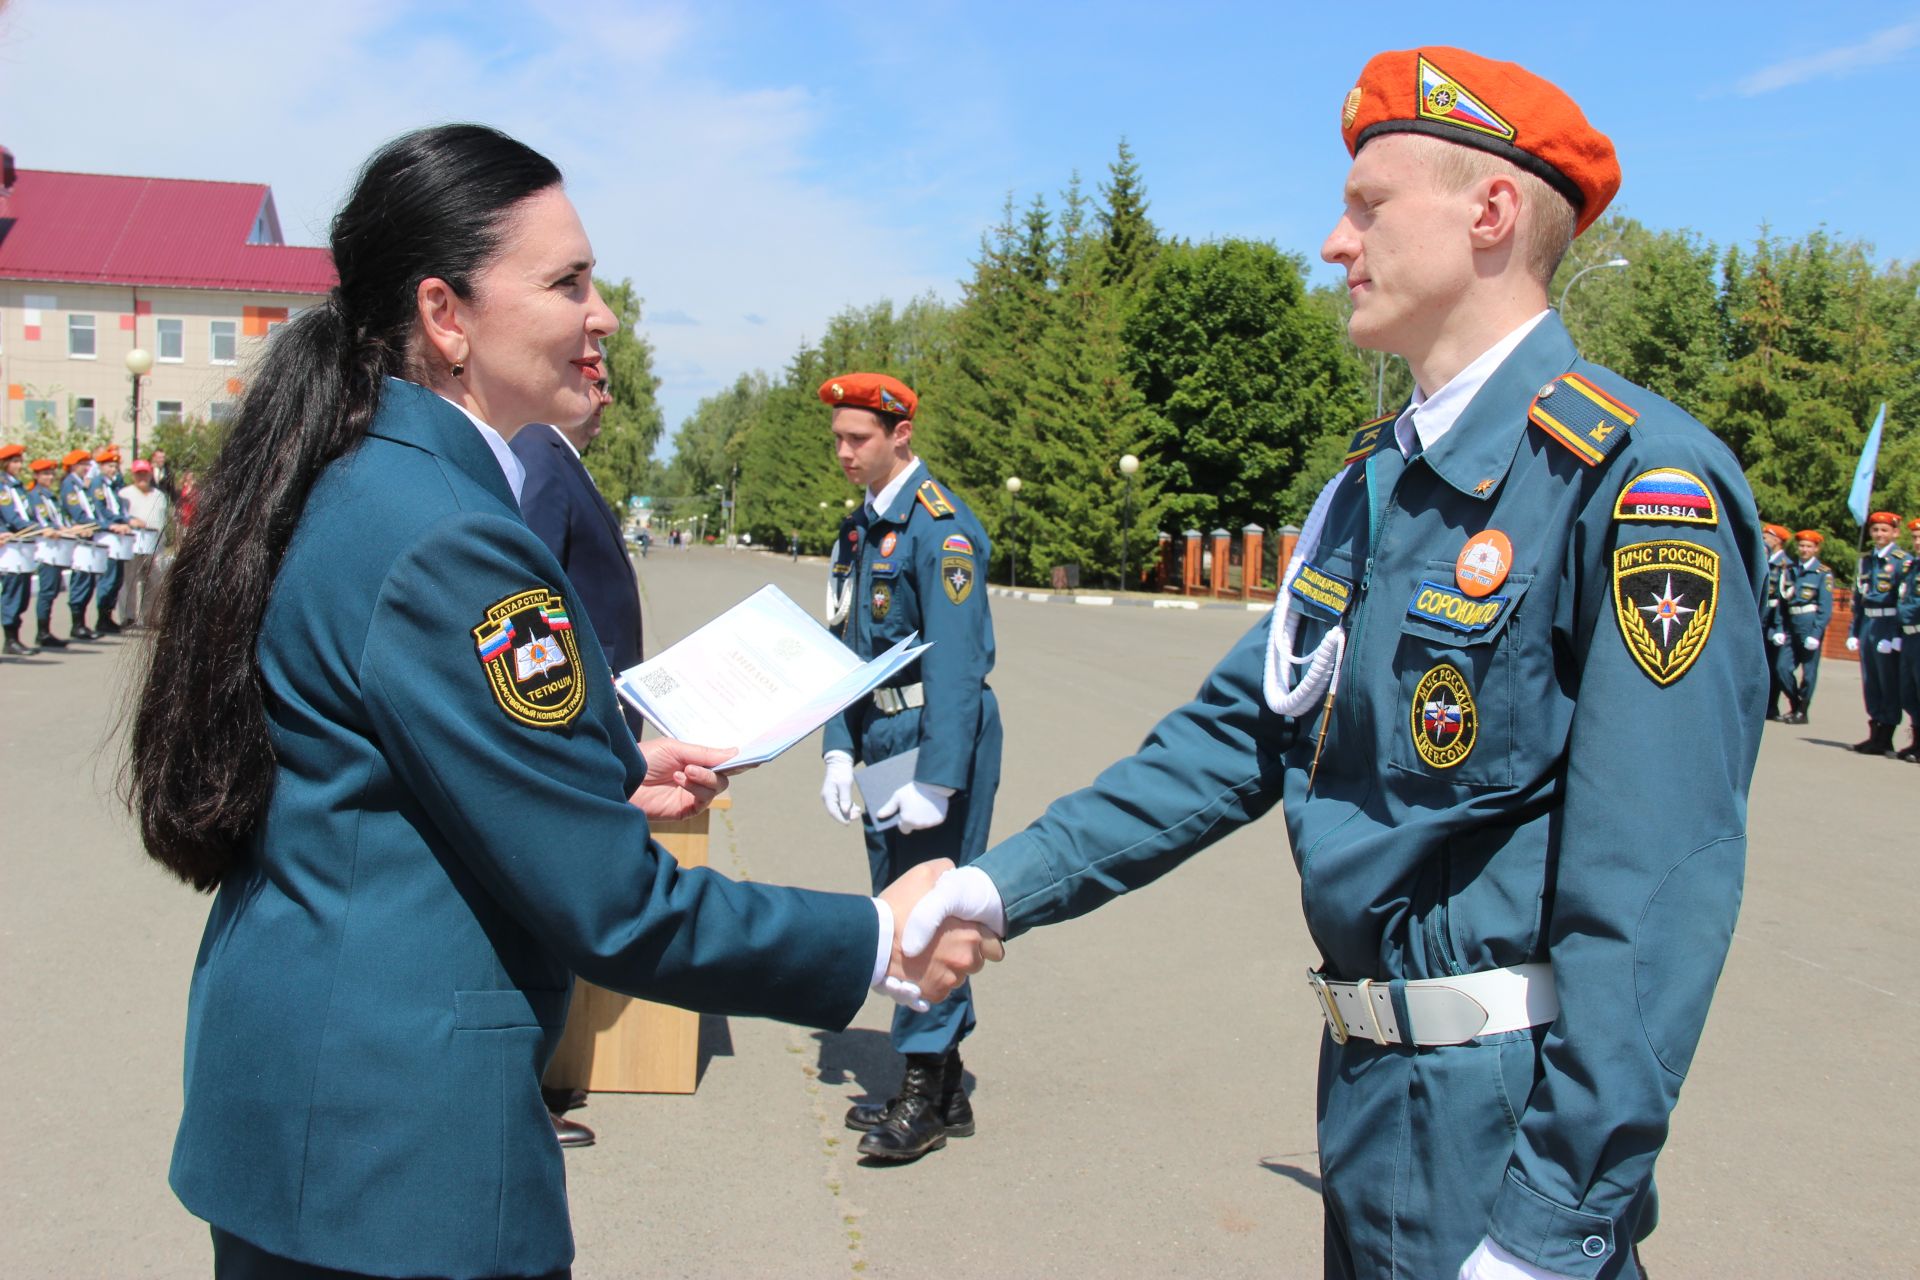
(428, 205)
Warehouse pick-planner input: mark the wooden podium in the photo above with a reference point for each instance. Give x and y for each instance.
(617, 1044)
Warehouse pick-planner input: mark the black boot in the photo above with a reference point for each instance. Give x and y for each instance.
(107, 626)
(1869, 745)
(44, 637)
(14, 648)
(914, 1125)
(1911, 752)
(956, 1111)
(80, 630)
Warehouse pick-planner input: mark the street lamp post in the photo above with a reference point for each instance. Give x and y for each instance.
(1128, 465)
(1568, 288)
(139, 361)
(1013, 532)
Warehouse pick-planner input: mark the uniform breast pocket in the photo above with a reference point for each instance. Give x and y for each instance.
(1459, 662)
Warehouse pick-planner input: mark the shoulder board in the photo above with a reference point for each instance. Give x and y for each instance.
(1579, 415)
(1367, 438)
(934, 501)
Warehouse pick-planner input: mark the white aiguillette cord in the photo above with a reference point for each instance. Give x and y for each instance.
(1284, 696)
(840, 600)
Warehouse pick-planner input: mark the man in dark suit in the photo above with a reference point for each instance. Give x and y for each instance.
(560, 504)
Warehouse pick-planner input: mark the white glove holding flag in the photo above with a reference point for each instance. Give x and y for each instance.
(837, 791)
(919, 805)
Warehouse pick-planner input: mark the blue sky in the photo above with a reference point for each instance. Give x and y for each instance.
(756, 167)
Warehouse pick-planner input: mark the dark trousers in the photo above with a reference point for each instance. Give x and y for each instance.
(1909, 656)
(79, 594)
(14, 590)
(1775, 686)
(235, 1259)
(1798, 669)
(107, 593)
(50, 589)
(1880, 672)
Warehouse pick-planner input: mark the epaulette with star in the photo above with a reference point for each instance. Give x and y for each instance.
(1367, 438)
(934, 501)
(1579, 415)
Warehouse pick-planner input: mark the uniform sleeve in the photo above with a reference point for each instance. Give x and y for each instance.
(540, 815)
(1648, 880)
(954, 617)
(1205, 771)
(1825, 615)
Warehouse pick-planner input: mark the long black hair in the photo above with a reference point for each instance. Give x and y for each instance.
(431, 204)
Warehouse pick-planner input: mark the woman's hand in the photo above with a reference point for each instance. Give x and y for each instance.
(680, 778)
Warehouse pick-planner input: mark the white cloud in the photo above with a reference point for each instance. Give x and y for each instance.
(1877, 49)
(704, 193)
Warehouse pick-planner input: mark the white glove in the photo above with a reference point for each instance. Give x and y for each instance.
(1812, 642)
(918, 804)
(1895, 642)
(1491, 1262)
(964, 893)
(837, 791)
(1853, 644)
(1778, 637)
(1883, 646)
(899, 990)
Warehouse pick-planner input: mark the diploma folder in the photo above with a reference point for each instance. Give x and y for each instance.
(760, 677)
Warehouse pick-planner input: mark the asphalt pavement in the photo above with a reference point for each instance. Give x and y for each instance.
(1143, 1077)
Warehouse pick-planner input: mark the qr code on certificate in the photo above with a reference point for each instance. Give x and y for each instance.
(659, 683)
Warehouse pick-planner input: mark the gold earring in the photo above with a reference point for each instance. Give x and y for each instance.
(458, 368)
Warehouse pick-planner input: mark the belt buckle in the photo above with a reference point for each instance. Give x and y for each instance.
(1336, 1025)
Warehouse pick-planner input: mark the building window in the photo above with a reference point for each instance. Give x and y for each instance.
(222, 335)
(220, 411)
(172, 341)
(40, 413)
(275, 326)
(83, 414)
(80, 337)
(167, 411)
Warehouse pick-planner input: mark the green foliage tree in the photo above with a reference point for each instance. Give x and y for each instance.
(621, 459)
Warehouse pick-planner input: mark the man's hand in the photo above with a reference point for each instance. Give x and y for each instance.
(837, 791)
(918, 805)
(1884, 646)
(1813, 642)
(1853, 644)
(953, 949)
(680, 779)
(1778, 638)
(964, 893)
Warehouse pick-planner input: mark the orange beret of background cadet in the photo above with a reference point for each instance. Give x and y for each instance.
(8, 451)
(1883, 517)
(1914, 523)
(1499, 107)
(110, 453)
(875, 391)
(41, 464)
(1777, 530)
(75, 458)
(1810, 535)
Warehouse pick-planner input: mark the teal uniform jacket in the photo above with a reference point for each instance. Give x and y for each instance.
(77, 499)
(1909, 616)
(1876, 621)
(385, 976)
(1559, 777)
(14, 515)
(1806, 607)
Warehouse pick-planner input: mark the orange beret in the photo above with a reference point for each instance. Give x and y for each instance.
(1777, 530)
(1810, 535)
(11, 451)
(1499, 107)
(1914, 523)
(41, 464)
(75, 458)
(1884, 517)
(110, 453)
(875, 391)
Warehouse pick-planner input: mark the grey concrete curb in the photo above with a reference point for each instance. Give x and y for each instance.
(1134, 602)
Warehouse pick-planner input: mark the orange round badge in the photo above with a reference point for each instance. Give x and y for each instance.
(886, 544)
(1483, 563)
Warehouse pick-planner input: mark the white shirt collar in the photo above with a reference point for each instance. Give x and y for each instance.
(1431, 417)
(883, 501)
(567, 442)
(509, 465)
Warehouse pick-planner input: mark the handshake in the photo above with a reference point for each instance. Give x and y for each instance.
(941, 932)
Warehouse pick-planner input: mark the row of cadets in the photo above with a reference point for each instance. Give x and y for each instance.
(17, 531)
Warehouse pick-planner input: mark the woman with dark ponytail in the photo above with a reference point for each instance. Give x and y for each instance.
(372, 727)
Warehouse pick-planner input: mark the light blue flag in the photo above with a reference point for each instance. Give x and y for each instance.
(1862, 492)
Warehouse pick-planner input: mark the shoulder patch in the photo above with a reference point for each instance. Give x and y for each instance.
(1667, 495)
(1367, 438)
(934, 501)
(1579, 415)
(532, 662)
(1664, 594)
(956, 575)
(958, 542)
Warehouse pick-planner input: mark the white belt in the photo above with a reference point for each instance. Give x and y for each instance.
(1910, 628)
(1879, 613)
(1443, 1010)
(1803, 608)
(891, 702)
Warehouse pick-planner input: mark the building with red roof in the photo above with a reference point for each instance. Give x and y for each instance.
(93, 265)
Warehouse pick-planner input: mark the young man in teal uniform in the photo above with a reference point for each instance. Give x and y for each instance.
(1874, 633)
(908, 560)
(43, 501)
(104, 489)
(1806, 607)
(1510, 700)
(1908, 645)
(76, 502)
(1772, 623)
(14, 519)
